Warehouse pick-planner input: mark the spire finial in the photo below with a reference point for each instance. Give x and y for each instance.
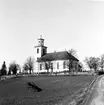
(40, 36)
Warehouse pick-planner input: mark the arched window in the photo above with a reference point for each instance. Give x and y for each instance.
(40, 66)
(37, 50)
(57, 65)
(64, 65)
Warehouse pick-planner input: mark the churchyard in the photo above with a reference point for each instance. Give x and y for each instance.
(55, 89)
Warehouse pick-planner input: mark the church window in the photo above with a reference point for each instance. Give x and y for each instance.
(40, 66)
(39, 42)
(57, 65)
(64, 65)
(37, 50)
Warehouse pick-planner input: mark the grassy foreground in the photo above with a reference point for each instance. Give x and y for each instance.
(54, 89)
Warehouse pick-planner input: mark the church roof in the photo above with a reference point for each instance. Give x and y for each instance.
(63, 55)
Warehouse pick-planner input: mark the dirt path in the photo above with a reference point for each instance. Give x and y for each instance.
(96, 94)
(99, 96)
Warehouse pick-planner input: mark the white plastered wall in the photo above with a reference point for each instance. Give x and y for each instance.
(37, 66)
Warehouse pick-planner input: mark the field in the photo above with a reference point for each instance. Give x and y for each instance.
(54, 89)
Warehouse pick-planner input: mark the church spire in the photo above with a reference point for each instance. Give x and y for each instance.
(40, 48)
(41, 41)
(40, 36)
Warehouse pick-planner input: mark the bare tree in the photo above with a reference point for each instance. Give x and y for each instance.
(102, 62)
(13, 67)
(25, 67)
(3, 69)
(88, 62)
(19, 68)
(29, 64)
(80, 66)
(92, 62)
(95, 63)
(71, 65)
(73, 52)
(47, 66)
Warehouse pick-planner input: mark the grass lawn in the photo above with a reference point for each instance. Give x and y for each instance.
(54, 89)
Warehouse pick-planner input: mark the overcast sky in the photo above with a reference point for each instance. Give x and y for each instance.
(64, 24)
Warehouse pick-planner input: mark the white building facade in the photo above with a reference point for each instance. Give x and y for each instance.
(51, 62)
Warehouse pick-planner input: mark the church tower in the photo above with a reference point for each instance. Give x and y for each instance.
(40, 49)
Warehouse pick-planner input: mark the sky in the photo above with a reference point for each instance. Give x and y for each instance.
(64, 24)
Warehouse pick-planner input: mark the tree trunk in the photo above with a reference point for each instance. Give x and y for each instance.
(30, 71)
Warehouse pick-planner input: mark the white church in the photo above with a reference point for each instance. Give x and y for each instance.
(56, 60)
